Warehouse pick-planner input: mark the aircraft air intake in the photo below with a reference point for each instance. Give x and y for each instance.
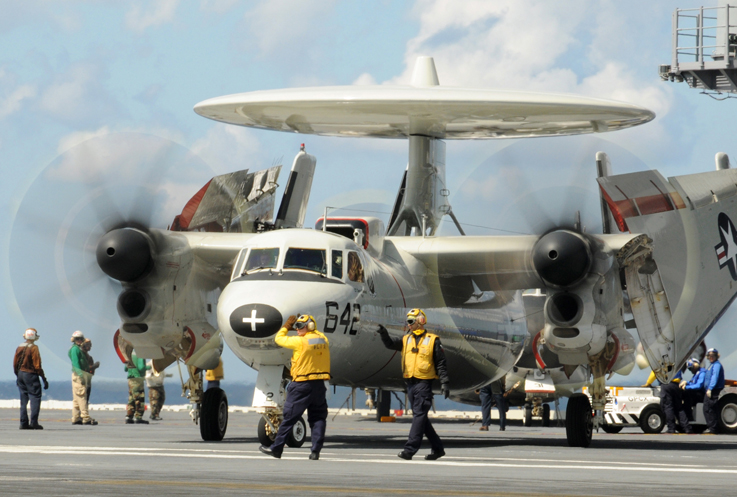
(124, 254)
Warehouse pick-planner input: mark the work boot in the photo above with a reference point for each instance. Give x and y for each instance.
(314, 456)
(269, 452)
(155, 418)
(501, 428)
(141, 421)
(77, 422)
(432, 456)
(36, 427)
(25, 427)
(128, 421)
(89, 422)
(484, 428)
(405, 455)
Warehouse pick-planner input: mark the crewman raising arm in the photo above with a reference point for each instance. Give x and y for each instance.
(310, 370)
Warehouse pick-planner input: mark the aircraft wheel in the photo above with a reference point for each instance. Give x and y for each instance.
(652, 420)
(214, 415)
(528, 415)
(264, 437)
(383, 404)
(298, 435)
(727, 409)
(579, 421)
(546, 415)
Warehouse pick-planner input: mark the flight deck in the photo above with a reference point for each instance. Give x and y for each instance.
(359, 458)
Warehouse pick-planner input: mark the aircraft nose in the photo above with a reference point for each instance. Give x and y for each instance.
(256, 320)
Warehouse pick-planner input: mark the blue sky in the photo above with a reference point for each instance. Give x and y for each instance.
(129, 73)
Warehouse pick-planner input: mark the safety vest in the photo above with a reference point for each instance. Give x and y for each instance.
(312, 360)
(417, 360)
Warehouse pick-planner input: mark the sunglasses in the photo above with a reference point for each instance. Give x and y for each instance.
(300, 324)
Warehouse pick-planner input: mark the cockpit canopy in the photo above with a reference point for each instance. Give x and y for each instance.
(337, 262)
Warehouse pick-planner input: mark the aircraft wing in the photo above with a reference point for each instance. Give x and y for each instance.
(496, 263)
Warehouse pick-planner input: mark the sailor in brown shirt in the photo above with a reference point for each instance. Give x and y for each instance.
(27, 367)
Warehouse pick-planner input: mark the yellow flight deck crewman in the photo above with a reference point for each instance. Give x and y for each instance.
(310, 370)
(423, 361)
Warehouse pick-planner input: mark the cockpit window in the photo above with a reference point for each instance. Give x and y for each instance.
(261, 258)
(336, 270)
(309, 259)
(355, 268)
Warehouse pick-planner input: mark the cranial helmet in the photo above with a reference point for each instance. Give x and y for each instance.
(712, 351)
(692, 362)
(416, 315)
(30, 334)
(77, 335)
(305, 320)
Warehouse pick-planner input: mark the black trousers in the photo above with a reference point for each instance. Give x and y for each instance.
(690, 399)
(671, 401)
(303, 395)
(420, 397)
(710, 409)
(29, 386)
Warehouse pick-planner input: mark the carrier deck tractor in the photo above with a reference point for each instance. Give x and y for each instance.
(640, 406)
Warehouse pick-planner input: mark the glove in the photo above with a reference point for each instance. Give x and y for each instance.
(708, 393)
(382, 330)
(445, 390)
(290, 322)
(46, 384)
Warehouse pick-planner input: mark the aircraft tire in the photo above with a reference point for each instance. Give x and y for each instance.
(579, 422)
(546, 415)
(652, 420)
(298, 435)
(263, 437)
(383, 404)
(528, 415)
(214, 415)
(727, 408)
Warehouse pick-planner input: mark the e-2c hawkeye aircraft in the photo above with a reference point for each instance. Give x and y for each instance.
(667, 257)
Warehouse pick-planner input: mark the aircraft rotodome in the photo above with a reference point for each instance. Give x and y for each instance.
(226, 271)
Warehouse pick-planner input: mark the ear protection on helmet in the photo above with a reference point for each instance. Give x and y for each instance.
(418, 315)
(305, 320)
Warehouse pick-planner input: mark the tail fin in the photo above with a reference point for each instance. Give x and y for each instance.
(293, 207)
(678, 292)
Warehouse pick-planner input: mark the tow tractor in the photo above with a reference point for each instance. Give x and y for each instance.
(640, 406)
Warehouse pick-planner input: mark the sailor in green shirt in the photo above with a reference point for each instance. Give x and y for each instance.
(80, 381)
(136, 369)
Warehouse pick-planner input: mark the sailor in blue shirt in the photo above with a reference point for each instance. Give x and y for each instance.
(714, 384)
(693, 390)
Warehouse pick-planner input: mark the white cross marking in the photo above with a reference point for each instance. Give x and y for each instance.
(253, 320)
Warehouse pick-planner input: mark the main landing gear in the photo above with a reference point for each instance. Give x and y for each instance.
(584, 416)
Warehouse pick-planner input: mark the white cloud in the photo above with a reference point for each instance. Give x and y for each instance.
(229, 148)
(150, 14)
(78, 95)
(365, 79)
(277, 25)
(218, 6)
(13, 102)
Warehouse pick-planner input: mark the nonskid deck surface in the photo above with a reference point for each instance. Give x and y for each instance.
(359, 458)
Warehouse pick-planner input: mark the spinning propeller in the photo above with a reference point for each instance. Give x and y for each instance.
(84, 218)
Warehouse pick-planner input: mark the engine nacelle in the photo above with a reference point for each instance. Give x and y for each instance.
(584, 296)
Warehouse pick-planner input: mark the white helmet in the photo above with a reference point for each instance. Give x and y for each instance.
(30, 334)
(77, 335)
